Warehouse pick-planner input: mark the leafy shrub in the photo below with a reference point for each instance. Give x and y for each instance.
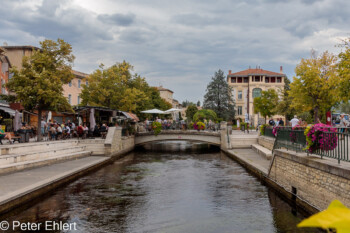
(205, 114)
(262, 129)
(156, 127)
(199, 125)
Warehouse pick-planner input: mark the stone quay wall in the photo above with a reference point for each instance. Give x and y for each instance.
(266, 142)
(115, 144)
(316, 181)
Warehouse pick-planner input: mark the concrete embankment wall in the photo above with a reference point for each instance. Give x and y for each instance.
(266, 142)
(316, 181)
(115, 144)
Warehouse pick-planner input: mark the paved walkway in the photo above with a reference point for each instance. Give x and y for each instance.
(21, 183)
(252, 158)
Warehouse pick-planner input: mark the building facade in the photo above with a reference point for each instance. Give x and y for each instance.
(16, 54)
(5, 66)
(73, 89)
(248, 84)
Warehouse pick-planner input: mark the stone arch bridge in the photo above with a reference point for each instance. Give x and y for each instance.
(213, 138)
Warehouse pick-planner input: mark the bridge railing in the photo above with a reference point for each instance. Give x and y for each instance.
(142, 127)
(332, 143)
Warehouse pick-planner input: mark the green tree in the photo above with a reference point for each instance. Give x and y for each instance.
(266, 103)
(345, 107)
(190, 111)
(284, 107)
(219, 97)
(116, 88)
(344, 70)
(39, 84)
(205, 114)
(187, 103)
(316, 85)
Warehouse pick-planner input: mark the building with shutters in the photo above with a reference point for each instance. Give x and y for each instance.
(248, 84)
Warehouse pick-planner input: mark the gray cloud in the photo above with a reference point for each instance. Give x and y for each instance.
(119, 19)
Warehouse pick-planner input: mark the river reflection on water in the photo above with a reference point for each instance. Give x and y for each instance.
(167, 187)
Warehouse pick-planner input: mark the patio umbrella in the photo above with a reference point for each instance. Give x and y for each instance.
(154, 111)
(173, 110)
(16, 121)
(92, 119)
(80, 121)
(49, 116)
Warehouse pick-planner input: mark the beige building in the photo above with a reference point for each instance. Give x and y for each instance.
(248, 84)
(16, 54)
(166, 94)
(73, 89)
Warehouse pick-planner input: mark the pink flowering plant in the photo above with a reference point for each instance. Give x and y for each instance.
(275, 130)
(320, 136)
(199, 125)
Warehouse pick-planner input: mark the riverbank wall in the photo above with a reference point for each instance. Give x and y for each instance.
(305, 180)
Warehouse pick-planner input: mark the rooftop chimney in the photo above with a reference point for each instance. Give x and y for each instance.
(230, 71)
(281, 69)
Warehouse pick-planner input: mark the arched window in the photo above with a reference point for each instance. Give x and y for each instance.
(256, 92)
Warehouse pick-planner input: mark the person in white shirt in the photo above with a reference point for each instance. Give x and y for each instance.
(294, 122)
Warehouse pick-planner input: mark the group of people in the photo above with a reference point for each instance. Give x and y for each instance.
(278, 122)
(55, 131)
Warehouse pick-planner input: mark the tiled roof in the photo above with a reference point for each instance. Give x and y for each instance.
(20, 47)
(248, 72)
(79, 74)
(164, 89)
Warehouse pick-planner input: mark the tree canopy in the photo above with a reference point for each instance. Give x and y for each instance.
(316, 86)
(205, 114)
(219, 97)
(344, 71)
(266, 103)
(39, 84)
(115, 87)
(190, 111)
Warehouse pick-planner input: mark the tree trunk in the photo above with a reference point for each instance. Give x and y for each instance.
(38, 131)
(316, 114)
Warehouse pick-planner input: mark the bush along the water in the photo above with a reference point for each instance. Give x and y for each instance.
(156, 127)
(320, 136)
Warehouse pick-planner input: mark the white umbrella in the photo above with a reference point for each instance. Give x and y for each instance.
(154, 111)
(49, 116)
(173, 110)
(16, 121)
(92, 119)
(80, 121)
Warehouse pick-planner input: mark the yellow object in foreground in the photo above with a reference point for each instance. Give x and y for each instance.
(336, 216)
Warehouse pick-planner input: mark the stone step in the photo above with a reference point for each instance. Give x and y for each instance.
(243, 143)
(262, 151)
(19, 148)
(35, 155)
(9, 168)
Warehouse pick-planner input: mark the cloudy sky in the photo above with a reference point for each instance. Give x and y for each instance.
(180, 44)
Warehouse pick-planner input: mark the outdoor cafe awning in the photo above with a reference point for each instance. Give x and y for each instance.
(130, 116)
(8, 110)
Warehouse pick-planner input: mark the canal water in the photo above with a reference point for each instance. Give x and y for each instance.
(167, 187)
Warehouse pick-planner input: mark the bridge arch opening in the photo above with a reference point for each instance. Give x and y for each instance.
(178, 146)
